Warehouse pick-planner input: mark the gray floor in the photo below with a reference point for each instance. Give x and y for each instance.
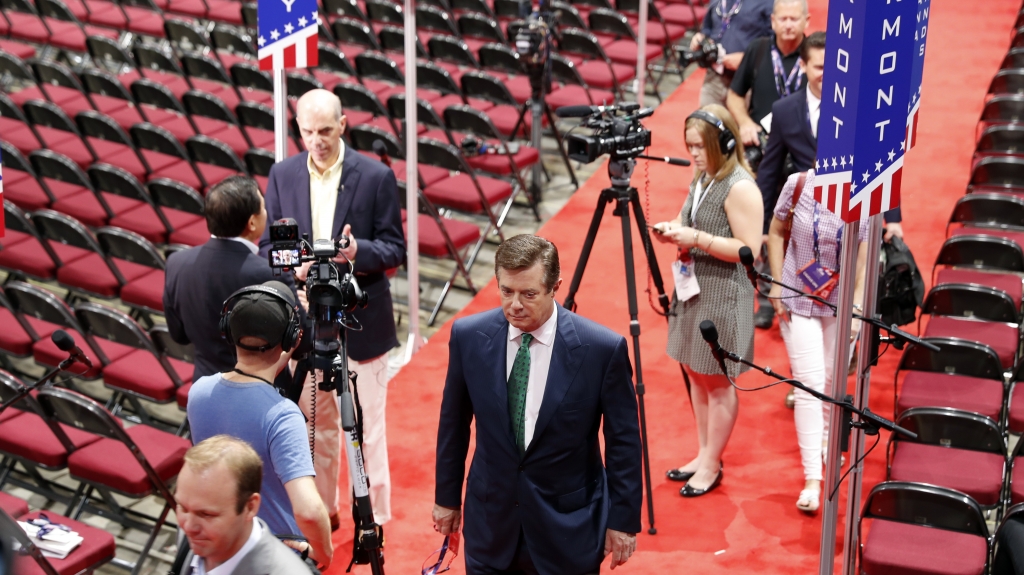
(433, 273)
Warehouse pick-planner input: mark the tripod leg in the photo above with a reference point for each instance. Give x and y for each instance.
(561, 147)
(588, 244)
(634, 331)
(652, 260)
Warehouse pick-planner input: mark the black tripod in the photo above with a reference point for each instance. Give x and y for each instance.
(625, 195)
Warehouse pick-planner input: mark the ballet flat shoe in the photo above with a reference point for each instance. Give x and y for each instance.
(676, 475)
(688, 491)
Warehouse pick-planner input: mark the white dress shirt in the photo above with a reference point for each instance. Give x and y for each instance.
(323, 195)
(225, 568)
(252, 247)
(540, 360)
(813, 111)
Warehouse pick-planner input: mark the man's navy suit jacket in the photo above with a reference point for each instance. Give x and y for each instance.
(198, 280)
(558, 494)
(791, 132)
(368, 201)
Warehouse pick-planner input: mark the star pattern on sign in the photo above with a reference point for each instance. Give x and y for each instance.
(274, 34)
(903, 146)
(816, 166)
(865, 176)
(842, 161)
(288, 28)
(853, 187)
(892, 154)
(303, 22)
(878, 166)
(316, 17)
(262, 40)
(834, 163)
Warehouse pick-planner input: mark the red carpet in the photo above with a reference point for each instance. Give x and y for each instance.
(750, 524)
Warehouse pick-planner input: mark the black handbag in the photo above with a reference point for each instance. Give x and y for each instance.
(900, 285)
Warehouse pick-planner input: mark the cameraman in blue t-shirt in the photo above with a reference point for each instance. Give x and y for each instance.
(263, 325)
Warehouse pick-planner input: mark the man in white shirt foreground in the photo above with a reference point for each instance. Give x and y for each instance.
(217, 500)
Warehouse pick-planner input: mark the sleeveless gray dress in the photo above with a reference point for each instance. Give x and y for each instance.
(726, 296)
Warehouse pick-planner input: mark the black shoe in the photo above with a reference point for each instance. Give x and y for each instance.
(688, 491)
(764, 315)
(676, 475)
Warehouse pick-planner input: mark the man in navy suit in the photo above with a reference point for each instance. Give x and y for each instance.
(540, 381)
(794, 130)
(333, 191)
(198, 280)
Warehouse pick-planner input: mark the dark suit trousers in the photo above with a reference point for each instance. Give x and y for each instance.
(522, 564)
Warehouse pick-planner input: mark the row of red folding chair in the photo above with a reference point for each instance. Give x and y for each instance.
(58, 429)
(135, 365)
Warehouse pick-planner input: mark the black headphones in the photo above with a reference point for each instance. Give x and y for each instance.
(291, 332)
(726, 139)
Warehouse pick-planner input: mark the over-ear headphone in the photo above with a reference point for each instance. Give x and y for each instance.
(291, 332)
(726, 139)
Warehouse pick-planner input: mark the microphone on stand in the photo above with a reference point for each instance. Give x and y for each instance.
(747, 259)
(710, 334)
(382, 151)
(66, 343)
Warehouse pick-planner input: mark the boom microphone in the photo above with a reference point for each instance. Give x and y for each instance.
(66, 343)
(585, 111)
(747, 259)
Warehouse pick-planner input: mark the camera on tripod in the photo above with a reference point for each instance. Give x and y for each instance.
(331, 294)
(619, 136)
(706, 55)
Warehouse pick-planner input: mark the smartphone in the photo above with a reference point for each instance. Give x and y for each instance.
(656, 230)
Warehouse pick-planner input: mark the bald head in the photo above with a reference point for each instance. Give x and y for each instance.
(321, 124)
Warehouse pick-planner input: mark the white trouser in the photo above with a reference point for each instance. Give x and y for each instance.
(372, 384)
(811, 345)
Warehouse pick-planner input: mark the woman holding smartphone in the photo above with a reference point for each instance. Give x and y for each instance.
(722, 213)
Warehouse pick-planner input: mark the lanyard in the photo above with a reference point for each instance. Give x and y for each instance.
(726, 15)
(839, 236)
(785, 86)
(698, 199)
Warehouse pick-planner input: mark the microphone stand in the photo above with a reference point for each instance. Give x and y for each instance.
(869, 421)
(25, 390)
(897, 336)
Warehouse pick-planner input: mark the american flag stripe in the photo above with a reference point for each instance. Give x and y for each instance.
(832, 189)
(912, 120)
(298, 50)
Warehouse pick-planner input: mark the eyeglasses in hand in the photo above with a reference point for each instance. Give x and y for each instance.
(441, 560)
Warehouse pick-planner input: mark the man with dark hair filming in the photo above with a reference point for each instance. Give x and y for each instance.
(262, 323)
(201, 278)
(729, 26)
(218, 497)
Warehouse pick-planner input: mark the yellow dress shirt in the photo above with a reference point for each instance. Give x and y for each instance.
(323, 195)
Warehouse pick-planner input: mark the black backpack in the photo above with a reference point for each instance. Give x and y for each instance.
(900, 286)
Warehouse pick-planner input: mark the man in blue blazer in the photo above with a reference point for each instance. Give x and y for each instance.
(333, 191)
(540, 382)
(199, 279)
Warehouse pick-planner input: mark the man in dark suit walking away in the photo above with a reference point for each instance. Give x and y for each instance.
(199, 279)
(333, 191)
(540, 381)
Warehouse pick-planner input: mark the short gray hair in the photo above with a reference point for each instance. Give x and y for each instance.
(803, 4)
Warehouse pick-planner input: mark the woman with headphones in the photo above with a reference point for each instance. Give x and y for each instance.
(722, 214)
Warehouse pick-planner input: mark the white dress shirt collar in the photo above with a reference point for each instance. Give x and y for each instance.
(252, 247)
(544, 334)
(225, 568)
(813, 111)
